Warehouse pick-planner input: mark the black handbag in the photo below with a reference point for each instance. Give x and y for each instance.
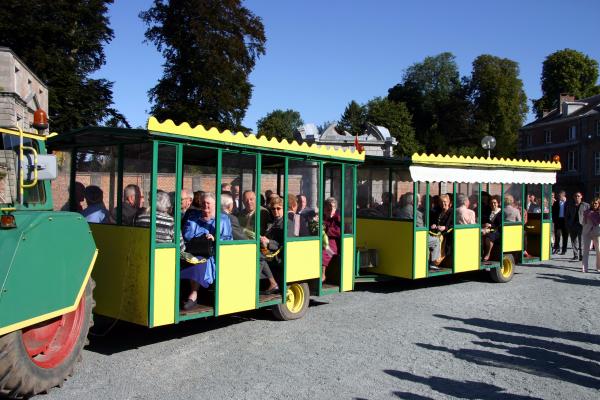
(201, 246)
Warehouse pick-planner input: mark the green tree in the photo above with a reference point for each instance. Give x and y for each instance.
(279, 124)
(210, 47)
(566, 71)
(499, 102)
(353, 119)
(397, 119)
(429, 89)
(62, 42)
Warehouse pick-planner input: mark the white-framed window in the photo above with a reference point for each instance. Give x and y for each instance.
(597, 163)
(528, 140)
(547, 156)
(548, 136)
(573, 132)
(596, 190)
(572, 161)
(598, 127)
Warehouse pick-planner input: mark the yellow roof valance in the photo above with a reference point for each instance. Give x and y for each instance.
(483, 162)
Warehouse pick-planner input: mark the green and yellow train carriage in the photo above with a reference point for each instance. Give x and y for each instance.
(394, 243)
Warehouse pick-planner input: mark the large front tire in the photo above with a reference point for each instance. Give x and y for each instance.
(505, 272)
(39, 357)
(296, 302)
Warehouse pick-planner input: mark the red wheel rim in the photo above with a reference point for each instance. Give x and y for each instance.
(49, 343)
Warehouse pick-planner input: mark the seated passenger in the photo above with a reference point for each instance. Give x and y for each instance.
(200, 228)
(383, 209)
(247, 217)
(363, 209)
(439, 242)
(132, 205)
(95, 211)
(464, 215)
(79, 197)
(405, 211)
(511, 213)
(271, 245)
(294, 219)
(332, 226)
(227, 208)
(165, 224)
(492, 230)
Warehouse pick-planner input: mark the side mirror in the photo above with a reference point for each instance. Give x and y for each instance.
(46, 167)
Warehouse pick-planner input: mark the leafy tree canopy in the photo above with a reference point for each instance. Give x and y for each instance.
(396, 118)
(279, 124)
(499, 102)
(210, 47)
(61, 42)
(566, 71)
(353, 119)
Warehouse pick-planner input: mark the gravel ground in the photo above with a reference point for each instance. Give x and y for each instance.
(537, 337)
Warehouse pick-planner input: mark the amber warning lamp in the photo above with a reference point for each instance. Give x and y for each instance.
(7, 220)
(556, 158)
(40, 120)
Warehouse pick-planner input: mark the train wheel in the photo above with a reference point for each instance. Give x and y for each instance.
(296, 302)
(39, 357)
(505, 272)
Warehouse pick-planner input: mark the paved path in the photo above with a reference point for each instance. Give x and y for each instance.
(537, 337)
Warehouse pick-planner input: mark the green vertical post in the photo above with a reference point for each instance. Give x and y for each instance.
(257, 224)
(178, 218)
(153, 187)
(285, 227)
(218, 225)
(342, 215)
(321, 196)
(120, 184)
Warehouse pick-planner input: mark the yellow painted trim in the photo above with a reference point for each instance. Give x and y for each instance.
(545, 241)
(467, 249)
(26, 134)
(348, 263)
(393, 241)
(237, 278)
(421, 251)
(53, 314)
(227, 136)
(483, 161)
(8, 209)
(164, 286)
(512, 238)
(303, 261)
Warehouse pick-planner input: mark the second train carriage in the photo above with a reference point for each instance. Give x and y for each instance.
(395, 214)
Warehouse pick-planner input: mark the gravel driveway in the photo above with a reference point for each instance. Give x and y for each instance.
(537, 337)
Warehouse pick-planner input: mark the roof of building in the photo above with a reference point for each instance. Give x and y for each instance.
(589, 106)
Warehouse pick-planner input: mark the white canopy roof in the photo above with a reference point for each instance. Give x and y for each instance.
(420, 173)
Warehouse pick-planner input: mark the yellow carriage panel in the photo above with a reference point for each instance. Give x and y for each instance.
(546, 228)
(466, 249)
(237, 278)
(421, 255)
(512, 238)
(303, 260)
(348, 264)
(163, 304)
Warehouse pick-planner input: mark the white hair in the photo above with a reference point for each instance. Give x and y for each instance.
(163, 201)
(226, 201)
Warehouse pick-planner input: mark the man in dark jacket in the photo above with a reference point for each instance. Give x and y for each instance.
(559, 209)
(574, 221)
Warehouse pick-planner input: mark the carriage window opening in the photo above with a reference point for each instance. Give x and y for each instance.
(303, 198)
(403, 197)
(441, 225)
(421, 200)
(348, 199)
(467, 200)
(96, 184)
(547, 201)
(60, 185)
(271, 187)
(373, 194)
(513, 194)
(137, 168)
(9, 158)
(533, 200)
(238, 193)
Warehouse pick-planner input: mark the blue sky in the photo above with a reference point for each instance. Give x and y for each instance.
(323, 54)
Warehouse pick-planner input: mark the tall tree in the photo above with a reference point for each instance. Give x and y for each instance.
(61, 42)
(279, 124)
(499, 102)
(397, 119)
(566, 71)
(353, 119)
(429, 89)
(210, 47)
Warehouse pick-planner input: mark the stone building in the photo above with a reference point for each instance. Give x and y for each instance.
(21, 92)
(572, 132)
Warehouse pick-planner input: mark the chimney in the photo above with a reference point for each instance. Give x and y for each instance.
(565, 97)
(545, 113)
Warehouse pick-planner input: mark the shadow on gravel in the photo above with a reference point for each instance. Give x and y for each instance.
(458, 389)
(573, 280)
(537, 356)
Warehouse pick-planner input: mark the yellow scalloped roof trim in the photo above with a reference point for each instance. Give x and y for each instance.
(484, 162)
(227, 136)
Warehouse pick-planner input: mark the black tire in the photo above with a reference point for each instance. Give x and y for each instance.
(296, 305)
(20, 377)
(505, 272)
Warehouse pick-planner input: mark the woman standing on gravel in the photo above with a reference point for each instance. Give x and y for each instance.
(591, 233)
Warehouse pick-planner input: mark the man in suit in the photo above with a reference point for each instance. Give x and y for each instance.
(559, 209)
(574, 221)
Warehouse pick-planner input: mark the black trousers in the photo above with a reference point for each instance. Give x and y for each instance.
(575, 233)
(560, 230)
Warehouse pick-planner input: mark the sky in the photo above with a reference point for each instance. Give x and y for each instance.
(320, 55)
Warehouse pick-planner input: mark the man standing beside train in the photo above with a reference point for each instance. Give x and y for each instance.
(559, 209)
(574, 220)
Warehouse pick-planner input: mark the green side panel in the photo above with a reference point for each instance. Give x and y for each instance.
(43, 264)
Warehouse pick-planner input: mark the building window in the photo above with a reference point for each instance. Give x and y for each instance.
(548, 135)
(596, 190)
(597, 163)
(547, 157)
(528, 138)
(598, 127)
(573, 132)
(572, 161)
